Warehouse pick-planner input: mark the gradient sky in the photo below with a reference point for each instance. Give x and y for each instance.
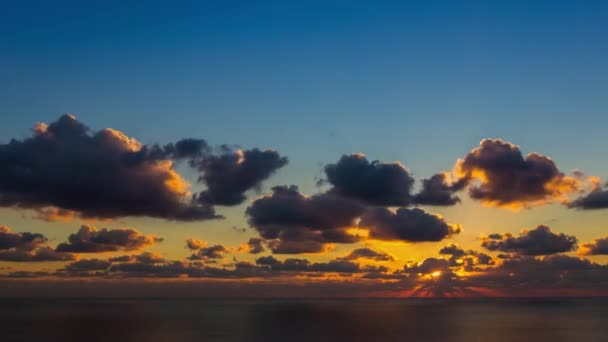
(420, 82)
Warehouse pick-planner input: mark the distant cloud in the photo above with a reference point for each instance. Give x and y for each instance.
(209, 254)
(256, 245)
(27, 247)
(89, 239)
(411, 225)
(595, 247)
(596, 199)
(367, 253)
(194, 244)
(538, 241)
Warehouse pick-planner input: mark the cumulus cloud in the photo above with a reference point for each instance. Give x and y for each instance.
(500, 175)
(453, 249)
(65, 169)
(438, 190)
(595, 247)
(555, 272)
(375, 183)
(27, 247)
(538, 241)
(255, 245)
(468, 260)
(229, 175)
(411, 225)
(209, 254)
(427, 266)
(294, 223)
(303, 265)
(368, 253)
(89, 239)
(596, 199)
(102, 174)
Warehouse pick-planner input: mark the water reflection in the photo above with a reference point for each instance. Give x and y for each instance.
(305, 320)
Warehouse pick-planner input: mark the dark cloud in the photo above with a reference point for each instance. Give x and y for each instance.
(88, 239)
(23, 241)
(209, 254)
(595, 247)
(89, 265)
(438, 191)
(412, 225)
(26, 247)
(293, 223)
(453, 250)
(538, 241)
(256, 245)
(204, 253)
(303, 265)
(102, 174)
(44, 253)
(375, 183)
(468, 260)
(507, 178)
(427, 266)
(596, 199)
(229, 175)
(367, 253)
(188, 148)
(555, 272)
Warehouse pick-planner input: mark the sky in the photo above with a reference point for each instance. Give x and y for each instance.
(157, 143)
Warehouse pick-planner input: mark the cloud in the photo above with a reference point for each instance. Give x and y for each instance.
(559, 272)
(294, 223)
(303, 265)
(89, 239)
(229, 175)
(55, 214)
(595, 247)
(367, 253)
(453, 250)
(468, 260)
(43, 253)
(255, 245)
(538, 241)
(438, 191)
(209, 254)
(596, 199)
(27, 247)
(427, 266)
(102, 174)
(87, 265)
(505, 178)
(194, 244)
(375, 183)
(411, 225)
(22, 241)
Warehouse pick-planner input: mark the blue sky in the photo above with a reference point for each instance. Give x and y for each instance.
(384, 78)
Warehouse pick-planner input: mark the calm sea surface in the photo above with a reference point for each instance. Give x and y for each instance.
(303, 320)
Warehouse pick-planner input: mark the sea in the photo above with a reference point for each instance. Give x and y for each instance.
(289, 320)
